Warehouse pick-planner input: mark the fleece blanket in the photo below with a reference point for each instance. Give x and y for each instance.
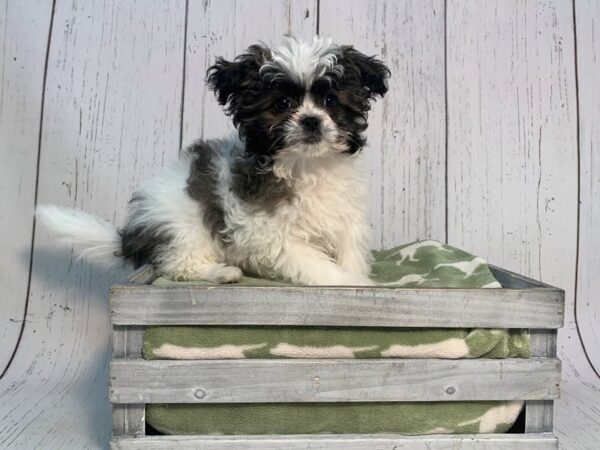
(420, 264)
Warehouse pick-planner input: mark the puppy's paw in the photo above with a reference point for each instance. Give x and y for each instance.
(227, 274)
(214, 273)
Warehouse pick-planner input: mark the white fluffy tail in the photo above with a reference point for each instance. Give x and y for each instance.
(96, 240)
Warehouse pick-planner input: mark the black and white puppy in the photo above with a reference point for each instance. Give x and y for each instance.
(283, 198)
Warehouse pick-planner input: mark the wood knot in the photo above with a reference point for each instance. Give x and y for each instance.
(199, 393)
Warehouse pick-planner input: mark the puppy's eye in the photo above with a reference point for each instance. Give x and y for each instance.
(331, 101)
(282, 103)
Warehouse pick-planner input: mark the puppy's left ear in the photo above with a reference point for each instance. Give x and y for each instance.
(372, 73)
(228, 78)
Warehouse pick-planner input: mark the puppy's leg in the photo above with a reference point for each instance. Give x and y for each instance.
(303, 264)
(194, 255)
(212, 272)
(354, 254)
(187, 263)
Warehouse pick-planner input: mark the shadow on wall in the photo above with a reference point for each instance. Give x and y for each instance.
(63, 355)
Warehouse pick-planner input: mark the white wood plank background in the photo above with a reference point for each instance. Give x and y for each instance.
(226, 28)
(405, 157)
(22, 59)
(512, 84)
(588, 279)
(110, 119)
(512, 164)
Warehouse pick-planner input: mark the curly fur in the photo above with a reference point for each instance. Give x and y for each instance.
(284, 198)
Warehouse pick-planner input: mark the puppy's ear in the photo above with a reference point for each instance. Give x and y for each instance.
(371, 73)
(228, 78)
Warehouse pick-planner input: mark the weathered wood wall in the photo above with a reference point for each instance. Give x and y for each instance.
(489, 140)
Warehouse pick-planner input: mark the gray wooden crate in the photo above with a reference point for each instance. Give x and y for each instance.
(525, 303)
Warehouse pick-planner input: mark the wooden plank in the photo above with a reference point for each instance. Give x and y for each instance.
(513, 161)
(405, 157)
(512, 154)
(331, 380)
(111, 119)
(588, 267)
(339, 306)
(128, 420)
(539, 413)
(577, 419)
(24, 29)
(127, 342)
(142, 275)
(226, 28)
(513, 280)
(342, 442)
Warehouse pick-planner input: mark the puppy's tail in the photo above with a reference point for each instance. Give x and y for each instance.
(95, 240)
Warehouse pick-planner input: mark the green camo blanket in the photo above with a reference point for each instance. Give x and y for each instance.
(420, 264)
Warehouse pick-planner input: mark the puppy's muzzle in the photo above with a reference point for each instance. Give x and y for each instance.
(311, 127)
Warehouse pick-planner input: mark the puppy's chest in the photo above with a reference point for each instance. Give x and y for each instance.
(324, 207)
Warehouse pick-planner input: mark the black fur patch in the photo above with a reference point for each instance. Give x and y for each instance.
(140, 244)
(250, 97)
(253, 182)
(365, 71)
(202, 186)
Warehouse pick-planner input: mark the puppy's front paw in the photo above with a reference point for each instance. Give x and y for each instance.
(214, 273)
(227, 274)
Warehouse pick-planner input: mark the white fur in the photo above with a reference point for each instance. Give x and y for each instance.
(321, 238)
(303, 61)
(100, 239)
(192, 253)
(294, 136)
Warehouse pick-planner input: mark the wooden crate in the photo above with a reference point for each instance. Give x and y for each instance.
(525, 304)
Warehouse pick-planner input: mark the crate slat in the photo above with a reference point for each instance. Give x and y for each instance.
(331, 380)
(513, 280)
(543, 441)
(128, 419)
(539, 413)
(337, 306)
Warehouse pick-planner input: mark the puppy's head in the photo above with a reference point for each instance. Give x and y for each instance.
(301, 99)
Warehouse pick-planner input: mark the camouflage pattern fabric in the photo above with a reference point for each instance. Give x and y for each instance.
(424, 264)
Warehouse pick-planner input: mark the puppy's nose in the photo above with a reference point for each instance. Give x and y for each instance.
(310, 123)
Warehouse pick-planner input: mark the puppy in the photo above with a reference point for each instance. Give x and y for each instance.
(283, 198)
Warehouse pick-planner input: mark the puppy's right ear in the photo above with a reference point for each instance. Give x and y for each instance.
(228, 78)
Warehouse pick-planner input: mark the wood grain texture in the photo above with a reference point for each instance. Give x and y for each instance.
(512, 167)
(342, 306)
(577, 417)
(341, 442)
(111, 118)
(128, 420)
(24, 29)
(226, 28)
(539, 413)
(115, 71)
(331, 380)
(405, 157)
(588, 281)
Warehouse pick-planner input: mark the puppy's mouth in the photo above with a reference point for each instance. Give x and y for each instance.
(313, 138)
